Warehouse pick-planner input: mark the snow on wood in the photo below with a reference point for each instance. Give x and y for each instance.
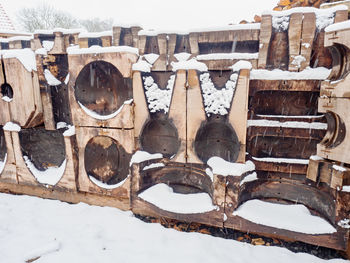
(158, 99)
(2, 163)
(6, 98)
(345, 223)
(319, 73)
(141, 156)
(70, 131)
(189, 64)
(217, 101)
(231, 56)
(66, 80)
(281, 160)
(26, 56)
(280, 23)
(58, 29)
(288, 124)
(99, 50)
(339, 168)
(249, 178)
(107, 186)
(346, 188)
(163, 196)
(51, 80)
(290, 217)
(242, 64)
(142, 65)
(153, 165)
(183, 56)
(305, 10)
(10, 126)
(221, 167)
(297, 60)
(41, 51)
(210, 173)
(103, 117)
(151, 58)
(291, 116)
(42, 222)
(23, 38)
(50, 176)
(316, 158)
(48, 45)
(95, 34)
(338, 26)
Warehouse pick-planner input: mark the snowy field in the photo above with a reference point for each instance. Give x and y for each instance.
(31, 227)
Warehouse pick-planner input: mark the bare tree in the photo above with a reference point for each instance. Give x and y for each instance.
(44, 16)
(96, 24)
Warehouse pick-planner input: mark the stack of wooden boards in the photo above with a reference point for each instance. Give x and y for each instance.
(214, 118)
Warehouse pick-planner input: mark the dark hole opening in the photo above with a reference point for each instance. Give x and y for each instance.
(6, 90)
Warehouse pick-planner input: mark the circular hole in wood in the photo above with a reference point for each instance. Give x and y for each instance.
(216, 139)
(101, 88)
(6, 91)
(43, 148)
(160, 136)
(106, 160)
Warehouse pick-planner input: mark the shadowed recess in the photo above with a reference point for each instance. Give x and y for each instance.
(106, 160)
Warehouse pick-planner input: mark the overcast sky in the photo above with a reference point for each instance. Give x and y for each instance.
(156, 14)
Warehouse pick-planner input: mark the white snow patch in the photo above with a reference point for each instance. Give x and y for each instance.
(249, 178)
(41, 51)
(280, 23)
(319, 73)
(28, 223)
(281, 160)
(339, 168)
(61, 125)
(151, 58)
(50, 176)
(3, 163)
(26, 56)
(183, 56)
(153, 165)
(58, 29)
(231, 56)
(141, 156)
(48, 45)
(189, 64)
(107, 186)
(345, 223)
(51, 80)
(10, 126)
(288, 124)
(158, 99)
(316, 158)
(291, 116)
(306, 45)
(22, 38)
(297, 60)
(242, 64)
(142, 65)
(95, 34)
(99, 50)
(66, 80)
(217, 101)
(43, 250)
(338, 26)
(225, 217)
(346, 188)
(97, 116)
(225, 168)
(6, 98)
(295, 218)
(70, 131)
(210, 173)
(163, 196)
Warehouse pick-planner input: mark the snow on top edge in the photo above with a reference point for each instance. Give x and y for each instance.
(189, 64)
(25, 56)
(95, 34)
(98, 50)
(10, 126)
(338, 26)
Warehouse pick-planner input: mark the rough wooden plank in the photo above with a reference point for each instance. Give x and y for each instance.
(9, 174)
(265, 36)
(294, 35)
(307, 38)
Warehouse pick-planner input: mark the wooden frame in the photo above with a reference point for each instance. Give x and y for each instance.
(124, 138)
(68, 179)
(123, 62)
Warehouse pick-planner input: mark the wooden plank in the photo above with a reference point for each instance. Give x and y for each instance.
(239, 111)
(195, 114)
(26, 106)
(294, 37)
(265, 36)
(307, 38)
(193, 38)
(106, 41)
(177, 113)
(9, 174)
(340, 16)
(116, 35)
(161, 63)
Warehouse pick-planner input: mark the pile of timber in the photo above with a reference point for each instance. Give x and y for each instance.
(199, 127)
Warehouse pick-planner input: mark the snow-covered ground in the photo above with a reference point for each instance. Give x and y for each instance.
(31, 227)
